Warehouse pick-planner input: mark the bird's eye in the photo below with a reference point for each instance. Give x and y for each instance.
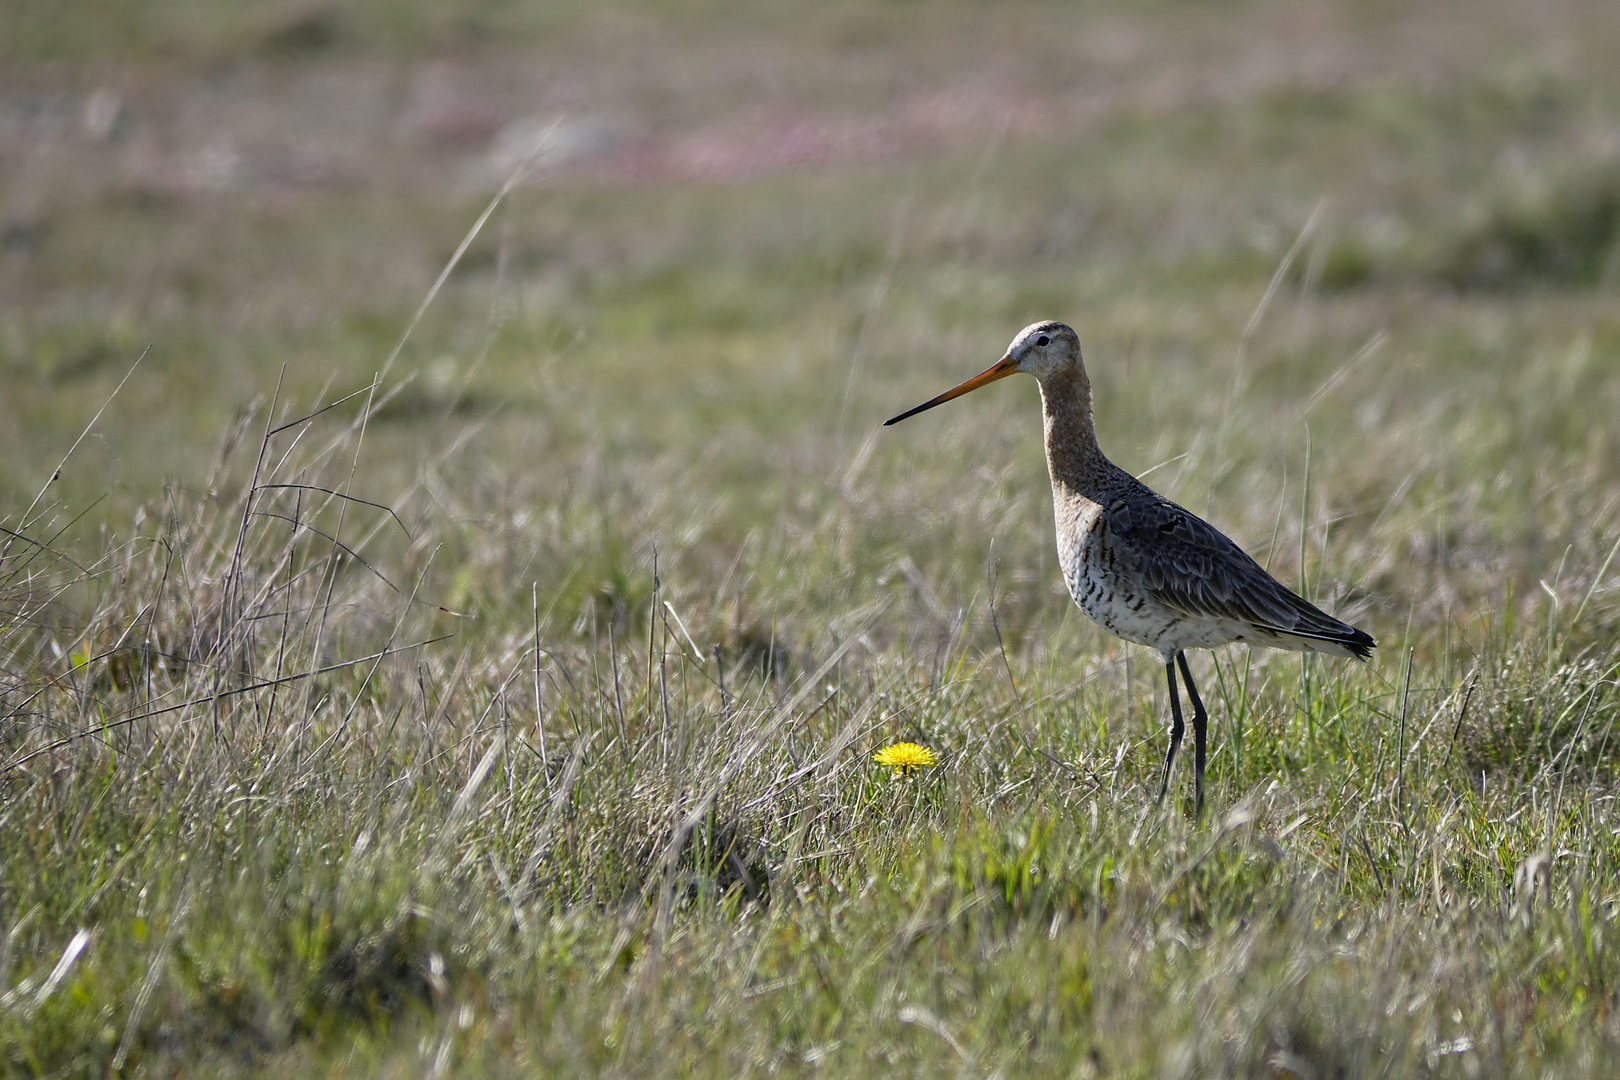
(1043, 341)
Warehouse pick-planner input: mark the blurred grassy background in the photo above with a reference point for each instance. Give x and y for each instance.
(1346, 279)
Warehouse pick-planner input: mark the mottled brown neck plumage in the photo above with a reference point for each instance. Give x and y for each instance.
(1077, 464)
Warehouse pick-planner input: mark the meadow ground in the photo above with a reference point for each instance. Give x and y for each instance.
(514, 715)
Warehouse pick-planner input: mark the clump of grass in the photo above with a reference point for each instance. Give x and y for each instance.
(1563, 232)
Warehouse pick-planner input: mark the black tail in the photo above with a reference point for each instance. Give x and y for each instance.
(1358, 642)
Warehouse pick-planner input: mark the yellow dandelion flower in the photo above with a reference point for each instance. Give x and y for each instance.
(903, 757)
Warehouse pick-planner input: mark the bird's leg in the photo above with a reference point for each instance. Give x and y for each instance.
(1200, 728)
(1176, 728)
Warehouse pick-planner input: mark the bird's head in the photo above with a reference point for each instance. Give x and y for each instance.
(1042, 349)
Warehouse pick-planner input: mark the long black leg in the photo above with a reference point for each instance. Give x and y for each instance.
(1200, 729)
(1176, 728)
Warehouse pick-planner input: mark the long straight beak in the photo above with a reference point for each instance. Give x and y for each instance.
(999, 370)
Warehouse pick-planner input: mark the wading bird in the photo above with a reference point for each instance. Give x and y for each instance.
(1138, 564)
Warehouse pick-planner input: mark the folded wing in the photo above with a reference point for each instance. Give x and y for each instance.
(1191, 567)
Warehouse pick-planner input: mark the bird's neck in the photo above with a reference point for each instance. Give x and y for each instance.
(1076, 462)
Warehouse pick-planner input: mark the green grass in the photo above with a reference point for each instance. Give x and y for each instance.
(552, 756)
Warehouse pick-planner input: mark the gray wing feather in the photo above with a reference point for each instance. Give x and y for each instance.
(1189, 566)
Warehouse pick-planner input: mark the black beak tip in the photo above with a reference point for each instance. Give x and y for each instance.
(891, 421)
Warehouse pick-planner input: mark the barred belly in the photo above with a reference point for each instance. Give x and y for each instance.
(1106, 595)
